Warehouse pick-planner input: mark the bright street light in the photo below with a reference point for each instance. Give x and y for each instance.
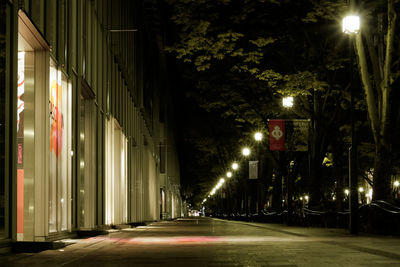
(258, 136)
(229, 174)
(287, 101)
(351, 24)
(396, 183)
(213, 191)
(246, 151)
(235, 166)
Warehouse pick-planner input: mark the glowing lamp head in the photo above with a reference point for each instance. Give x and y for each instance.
(347, 192)
(287, 101)
(360, 189)
(351, 24)
(396, 183)
(229, 174)
(235, 166)
(258, 136)
(246, 151)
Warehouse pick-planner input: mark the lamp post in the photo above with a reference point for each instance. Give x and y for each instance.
(351, 26)
(257, 185)
(246, 153)
(287, 102)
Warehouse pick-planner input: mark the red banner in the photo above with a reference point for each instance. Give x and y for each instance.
(277, 135)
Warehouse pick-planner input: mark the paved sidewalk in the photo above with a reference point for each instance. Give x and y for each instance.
(213, 242)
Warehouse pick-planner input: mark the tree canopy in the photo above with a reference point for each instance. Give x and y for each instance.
(243, 56)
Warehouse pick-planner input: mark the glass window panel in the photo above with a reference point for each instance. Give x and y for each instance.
(81, 184)
(60, 150)
(51, 24)
(54, 152)
(3, 53)
(65, 159)
(25, 90)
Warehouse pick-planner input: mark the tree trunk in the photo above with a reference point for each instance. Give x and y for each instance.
(382, 174)
(277, 192)
(265, 180)
(338, 165)
(316, 159)
(378, 102)
(316, 172)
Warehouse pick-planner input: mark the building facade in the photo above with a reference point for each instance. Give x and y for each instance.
(86, 136)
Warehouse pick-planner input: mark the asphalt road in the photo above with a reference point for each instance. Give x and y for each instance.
(213, 242)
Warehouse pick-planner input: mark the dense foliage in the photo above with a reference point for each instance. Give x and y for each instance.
(241, 57)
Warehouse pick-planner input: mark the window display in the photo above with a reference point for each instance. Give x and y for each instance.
(60, 150)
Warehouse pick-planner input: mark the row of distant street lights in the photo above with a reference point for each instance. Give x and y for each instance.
(287, 102)
(258, 136)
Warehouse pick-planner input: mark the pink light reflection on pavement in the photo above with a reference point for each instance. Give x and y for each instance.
(161, 240)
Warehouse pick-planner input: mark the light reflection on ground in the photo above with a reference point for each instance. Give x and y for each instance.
(191, 239)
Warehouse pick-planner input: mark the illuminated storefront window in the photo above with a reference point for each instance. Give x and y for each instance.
(43, 139)
(25, 135)
(60, 150)
(20, 142)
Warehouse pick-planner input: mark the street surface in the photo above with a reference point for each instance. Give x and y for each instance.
(213, 242)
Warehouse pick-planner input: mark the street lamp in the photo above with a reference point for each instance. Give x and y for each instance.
(258, 136)
(351, 26)
(229, 174)
(235, 166)
(287, 101)
(246, 151)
